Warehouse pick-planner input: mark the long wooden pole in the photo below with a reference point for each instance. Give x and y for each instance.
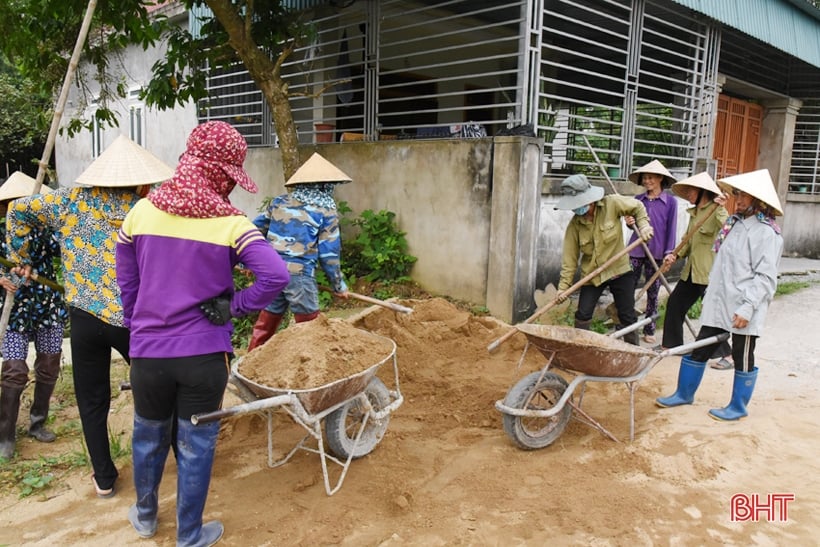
(540, 311)
(34, 277)
(63, 98)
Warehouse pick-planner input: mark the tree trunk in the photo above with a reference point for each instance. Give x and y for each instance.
(266, 74)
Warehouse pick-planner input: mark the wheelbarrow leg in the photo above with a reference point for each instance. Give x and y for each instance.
(592, 422)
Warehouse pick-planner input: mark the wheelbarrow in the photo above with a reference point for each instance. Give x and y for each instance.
(538, 407)
(355, 411)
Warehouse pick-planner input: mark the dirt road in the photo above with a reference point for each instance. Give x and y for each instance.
(446, 474)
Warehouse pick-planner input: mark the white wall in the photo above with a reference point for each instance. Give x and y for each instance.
(165, 132)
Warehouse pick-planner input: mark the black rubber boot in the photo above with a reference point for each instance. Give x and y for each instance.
(46, 370)
(632, 338)
(39, 413)
(583, 325)
(9, 407)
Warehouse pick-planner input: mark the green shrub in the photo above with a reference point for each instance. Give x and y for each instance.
(377, 249)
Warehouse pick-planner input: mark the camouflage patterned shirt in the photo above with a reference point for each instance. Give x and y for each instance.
(304, 236)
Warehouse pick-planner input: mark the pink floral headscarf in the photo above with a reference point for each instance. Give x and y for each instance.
(208, 171)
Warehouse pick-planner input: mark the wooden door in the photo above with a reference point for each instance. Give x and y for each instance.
(737, 135)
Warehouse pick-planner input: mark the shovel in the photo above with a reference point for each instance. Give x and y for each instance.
(540, 311)
(544, 296)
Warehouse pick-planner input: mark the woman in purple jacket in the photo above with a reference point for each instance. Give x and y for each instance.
(176, 252)
(662, 208)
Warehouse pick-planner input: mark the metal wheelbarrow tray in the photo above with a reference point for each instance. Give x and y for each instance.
(355, 410)
(537, 408)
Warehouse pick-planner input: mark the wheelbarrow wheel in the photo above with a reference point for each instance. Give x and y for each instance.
(342, 425)
(530, 432)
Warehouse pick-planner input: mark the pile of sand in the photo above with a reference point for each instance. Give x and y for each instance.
(314, 353)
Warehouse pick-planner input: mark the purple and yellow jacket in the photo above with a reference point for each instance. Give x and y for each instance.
(168, 265)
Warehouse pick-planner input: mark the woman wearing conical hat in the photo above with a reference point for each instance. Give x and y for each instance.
(85, 219)
(742, 283)
(662, 209)
(593, 237)
(708, 203)
(303, 227)
(39, 316)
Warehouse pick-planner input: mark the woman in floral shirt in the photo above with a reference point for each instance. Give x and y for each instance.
(86, 220)
(38, 315)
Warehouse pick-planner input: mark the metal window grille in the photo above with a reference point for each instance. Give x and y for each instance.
(804, 176)
(635, 77)
(401, 70)
(632, 78)
(389, 69)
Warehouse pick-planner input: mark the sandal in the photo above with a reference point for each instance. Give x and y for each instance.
(722, 364)
(649, 339)
(102, 493)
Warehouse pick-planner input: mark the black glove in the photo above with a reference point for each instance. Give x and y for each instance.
(217, 310)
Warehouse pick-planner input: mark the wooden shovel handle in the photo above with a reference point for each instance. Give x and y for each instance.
(369, 299)
(36, 278)
(540, 311)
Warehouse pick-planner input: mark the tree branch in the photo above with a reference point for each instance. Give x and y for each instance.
(321, 91)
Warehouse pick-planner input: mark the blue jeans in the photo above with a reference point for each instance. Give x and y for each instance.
(301, 294)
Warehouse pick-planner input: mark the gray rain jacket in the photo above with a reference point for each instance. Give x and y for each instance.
(744, 277)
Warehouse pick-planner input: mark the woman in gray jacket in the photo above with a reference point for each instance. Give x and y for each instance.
(742, 282)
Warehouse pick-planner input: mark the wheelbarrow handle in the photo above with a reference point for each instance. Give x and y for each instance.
(254, 406)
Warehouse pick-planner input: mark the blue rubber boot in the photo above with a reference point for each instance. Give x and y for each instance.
(689, 377)
(742, 390)
(195, 457)
(149, 447)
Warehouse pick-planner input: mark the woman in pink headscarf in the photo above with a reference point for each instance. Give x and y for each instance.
(175, 256)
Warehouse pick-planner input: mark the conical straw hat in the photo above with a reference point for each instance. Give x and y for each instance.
(757, 184)
(125, 163)
(701, 180)
(318, 169)
(655, 167)
(19, 185)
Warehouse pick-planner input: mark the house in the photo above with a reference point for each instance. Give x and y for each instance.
(606, 85)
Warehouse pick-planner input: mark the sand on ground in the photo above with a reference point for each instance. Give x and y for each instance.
(445, 472)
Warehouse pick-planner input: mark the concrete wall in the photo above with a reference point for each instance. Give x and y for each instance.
(469, 208)
(801, 230)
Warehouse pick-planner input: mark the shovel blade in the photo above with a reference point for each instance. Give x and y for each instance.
(544, 296)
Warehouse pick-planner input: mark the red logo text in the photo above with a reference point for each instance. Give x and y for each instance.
(753, 507)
